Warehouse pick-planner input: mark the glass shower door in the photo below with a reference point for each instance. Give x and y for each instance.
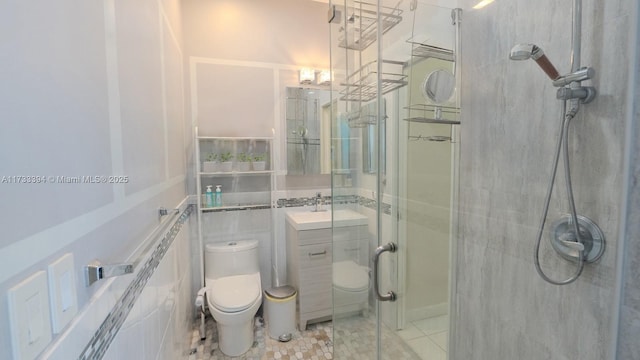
(391, 154)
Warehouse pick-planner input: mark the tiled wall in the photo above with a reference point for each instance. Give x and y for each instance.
(145, 315)
(510, 123)
(160, 322)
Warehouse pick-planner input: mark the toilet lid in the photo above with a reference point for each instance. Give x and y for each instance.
(349, 276)
(233, 293)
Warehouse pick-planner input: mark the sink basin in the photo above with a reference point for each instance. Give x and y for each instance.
(308, 220)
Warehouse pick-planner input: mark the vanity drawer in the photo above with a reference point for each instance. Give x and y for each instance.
(315, 255)
(307, 237)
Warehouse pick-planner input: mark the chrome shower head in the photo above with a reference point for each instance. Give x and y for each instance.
(531, 51)
(523, 51)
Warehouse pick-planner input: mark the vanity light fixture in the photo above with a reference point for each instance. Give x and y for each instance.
(324, 77)
(307, 76)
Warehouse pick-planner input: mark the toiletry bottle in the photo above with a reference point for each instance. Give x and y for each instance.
(209, 196)
(218, 195)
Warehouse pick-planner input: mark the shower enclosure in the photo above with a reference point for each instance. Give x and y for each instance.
(395, 81)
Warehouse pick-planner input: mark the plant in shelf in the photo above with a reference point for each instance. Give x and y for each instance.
(244, 162)
(225, 161)
(259, 163)
(210, 164)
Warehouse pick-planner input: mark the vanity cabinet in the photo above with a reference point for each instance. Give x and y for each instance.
(310, 257)
(309, 263)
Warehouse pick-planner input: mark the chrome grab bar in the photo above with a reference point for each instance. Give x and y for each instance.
(390, 296)
(97, 271)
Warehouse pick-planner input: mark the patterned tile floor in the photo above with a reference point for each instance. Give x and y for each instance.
(314, 343)
(355, 340)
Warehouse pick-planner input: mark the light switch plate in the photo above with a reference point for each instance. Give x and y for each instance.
(62, 283)
(29, 317)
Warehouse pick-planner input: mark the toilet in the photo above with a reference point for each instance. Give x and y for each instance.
(350, 287)
(233, 292)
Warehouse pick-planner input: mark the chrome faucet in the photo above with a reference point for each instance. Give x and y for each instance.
(318, 202)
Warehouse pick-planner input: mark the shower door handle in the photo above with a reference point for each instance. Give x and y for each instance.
(390, 296)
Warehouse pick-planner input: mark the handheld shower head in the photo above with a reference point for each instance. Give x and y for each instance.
(522, 51)
(526, 51)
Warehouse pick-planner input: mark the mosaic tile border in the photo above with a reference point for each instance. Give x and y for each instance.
(238, 208)
(327, 200)
(103, 337)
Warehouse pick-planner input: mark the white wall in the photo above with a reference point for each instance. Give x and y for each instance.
(242, 54)
(88, 88)
(429, 185)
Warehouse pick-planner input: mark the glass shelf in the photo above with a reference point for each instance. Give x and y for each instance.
(421, 50)
(433, 114)
(243, 189)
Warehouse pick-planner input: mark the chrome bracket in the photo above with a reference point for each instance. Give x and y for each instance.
(389, 296)
(96, 271)
(163, 211)
(581, 74)
(564, 242)
(585, 94)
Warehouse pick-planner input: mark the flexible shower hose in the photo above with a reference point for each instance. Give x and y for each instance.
(563, 144)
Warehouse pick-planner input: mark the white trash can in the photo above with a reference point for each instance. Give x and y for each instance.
(280, 312)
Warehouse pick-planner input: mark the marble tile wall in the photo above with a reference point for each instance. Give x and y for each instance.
(510, 124)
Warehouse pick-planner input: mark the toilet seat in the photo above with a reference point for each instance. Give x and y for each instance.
(233, 293)
(349, 276)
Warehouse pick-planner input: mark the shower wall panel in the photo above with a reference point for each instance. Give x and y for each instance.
(511, 120)
(629, 326)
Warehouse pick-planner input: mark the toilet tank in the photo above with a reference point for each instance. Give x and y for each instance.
(231, 258)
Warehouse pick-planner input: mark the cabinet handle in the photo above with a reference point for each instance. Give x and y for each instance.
(390, 296)
(318, 253)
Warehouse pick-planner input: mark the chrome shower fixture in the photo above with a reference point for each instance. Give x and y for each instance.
(531, 51)
(583, 93)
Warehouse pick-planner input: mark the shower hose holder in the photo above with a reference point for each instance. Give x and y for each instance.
(564, 240)
(570, 88)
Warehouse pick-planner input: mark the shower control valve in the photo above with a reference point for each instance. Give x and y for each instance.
(584, 93)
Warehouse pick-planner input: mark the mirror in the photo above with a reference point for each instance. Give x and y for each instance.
(308, 121)
(438, 86)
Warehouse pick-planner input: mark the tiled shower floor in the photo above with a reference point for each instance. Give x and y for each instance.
(356, 340)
